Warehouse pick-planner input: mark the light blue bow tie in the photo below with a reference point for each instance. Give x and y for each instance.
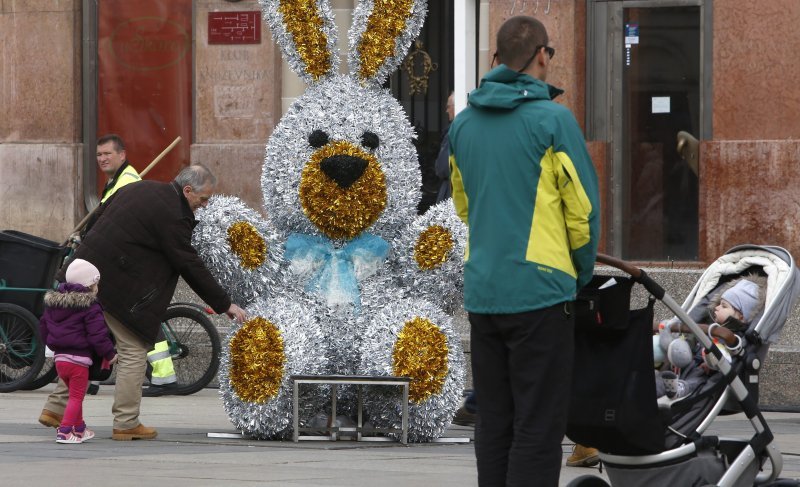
(334, 270)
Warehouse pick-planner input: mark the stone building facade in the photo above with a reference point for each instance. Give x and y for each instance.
(612, 59)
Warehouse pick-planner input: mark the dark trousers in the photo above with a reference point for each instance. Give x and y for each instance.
(522, 373)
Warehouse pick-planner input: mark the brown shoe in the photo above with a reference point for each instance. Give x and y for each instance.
(464, 417)
(583, 456)
(140, 432)
(50, 419)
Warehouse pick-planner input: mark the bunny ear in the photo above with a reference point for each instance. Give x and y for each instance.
(381, 34)
(306, 34)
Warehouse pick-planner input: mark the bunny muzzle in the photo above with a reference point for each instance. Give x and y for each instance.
(343, 189)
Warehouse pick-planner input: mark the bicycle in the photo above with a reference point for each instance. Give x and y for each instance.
(193, 341)
(192, 338)
(21, 355)
(195, 349)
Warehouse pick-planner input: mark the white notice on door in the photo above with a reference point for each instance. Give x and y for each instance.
(660, 104)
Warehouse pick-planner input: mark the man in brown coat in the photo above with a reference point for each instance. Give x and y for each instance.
(141, 244)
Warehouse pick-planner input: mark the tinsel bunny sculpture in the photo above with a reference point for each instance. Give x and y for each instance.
(341, 277)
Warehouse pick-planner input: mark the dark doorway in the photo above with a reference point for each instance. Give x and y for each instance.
(661, 97)
(422, 87)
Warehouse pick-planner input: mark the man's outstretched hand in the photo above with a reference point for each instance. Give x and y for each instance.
(236, 313)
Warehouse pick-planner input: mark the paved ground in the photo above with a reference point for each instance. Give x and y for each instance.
(185, 455)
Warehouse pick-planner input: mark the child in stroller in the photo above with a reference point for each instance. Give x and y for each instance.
(646, 442)
(683, 368)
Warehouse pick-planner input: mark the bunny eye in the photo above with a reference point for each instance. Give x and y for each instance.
(370, 140)
(318, 138)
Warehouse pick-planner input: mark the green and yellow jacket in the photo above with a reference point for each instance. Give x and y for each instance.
(525, 186)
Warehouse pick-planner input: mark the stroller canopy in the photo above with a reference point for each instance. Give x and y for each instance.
(783, 284)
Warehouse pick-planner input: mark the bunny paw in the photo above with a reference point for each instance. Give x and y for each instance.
(238, 248)
(413, 338)
(429, 256)
(258, 358)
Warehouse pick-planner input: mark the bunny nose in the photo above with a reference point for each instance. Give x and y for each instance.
(343, 169)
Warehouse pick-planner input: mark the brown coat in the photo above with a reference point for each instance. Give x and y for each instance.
(141, 243)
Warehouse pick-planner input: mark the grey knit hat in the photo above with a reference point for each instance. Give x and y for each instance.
(743, 296)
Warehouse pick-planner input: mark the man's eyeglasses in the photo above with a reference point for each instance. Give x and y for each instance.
(550, 53)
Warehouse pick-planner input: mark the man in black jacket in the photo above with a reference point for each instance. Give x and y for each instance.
(141, 243)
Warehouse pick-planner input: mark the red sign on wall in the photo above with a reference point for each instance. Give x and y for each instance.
(234, 27)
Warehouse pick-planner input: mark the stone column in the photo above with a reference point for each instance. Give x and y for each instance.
(237, 103)
(40, 125)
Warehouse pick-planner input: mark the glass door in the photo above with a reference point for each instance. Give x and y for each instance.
(648, 80)
(660, 98)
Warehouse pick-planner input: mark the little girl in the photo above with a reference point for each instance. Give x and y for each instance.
(74, 328)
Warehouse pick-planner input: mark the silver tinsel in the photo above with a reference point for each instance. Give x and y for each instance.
(301, 339)
(428, 419)
(210, 238)
(341, 339)
(288, 44)
(344, 110)
(355, 36)
(444, 284)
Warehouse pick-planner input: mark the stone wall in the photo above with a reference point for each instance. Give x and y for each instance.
(237, 104)
(755, 94)
(40, 103)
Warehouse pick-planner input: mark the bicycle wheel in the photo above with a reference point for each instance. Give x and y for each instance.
(21, 351)
(194, 345)
(46, 375)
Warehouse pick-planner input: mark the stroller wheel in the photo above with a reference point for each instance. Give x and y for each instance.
(587, 481)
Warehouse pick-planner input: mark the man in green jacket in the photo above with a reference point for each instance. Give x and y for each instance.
(524, 184)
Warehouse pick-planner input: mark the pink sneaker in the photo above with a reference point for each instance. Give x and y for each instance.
(67, 437)
(84, 435)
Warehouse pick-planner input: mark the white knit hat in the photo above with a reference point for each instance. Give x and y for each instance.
(82, 272)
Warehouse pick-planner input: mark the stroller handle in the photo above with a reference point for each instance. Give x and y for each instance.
(658, 292)
(637, 274)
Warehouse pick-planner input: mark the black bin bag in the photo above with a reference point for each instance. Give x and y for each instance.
(613, 403)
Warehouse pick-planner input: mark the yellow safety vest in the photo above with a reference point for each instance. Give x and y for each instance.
(161, 361)
(128, 175)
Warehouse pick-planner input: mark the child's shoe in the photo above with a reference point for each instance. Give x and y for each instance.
(66, 435)
(84, 433)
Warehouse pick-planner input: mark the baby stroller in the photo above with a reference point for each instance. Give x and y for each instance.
(643, 442)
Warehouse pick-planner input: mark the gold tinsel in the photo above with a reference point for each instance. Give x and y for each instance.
(303, 22)
(342, 212)
(421, 353)
(385, 24)
(257, 360)
(432, 247)
(247, 244)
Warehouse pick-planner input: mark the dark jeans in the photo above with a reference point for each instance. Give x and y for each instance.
(522, 372)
